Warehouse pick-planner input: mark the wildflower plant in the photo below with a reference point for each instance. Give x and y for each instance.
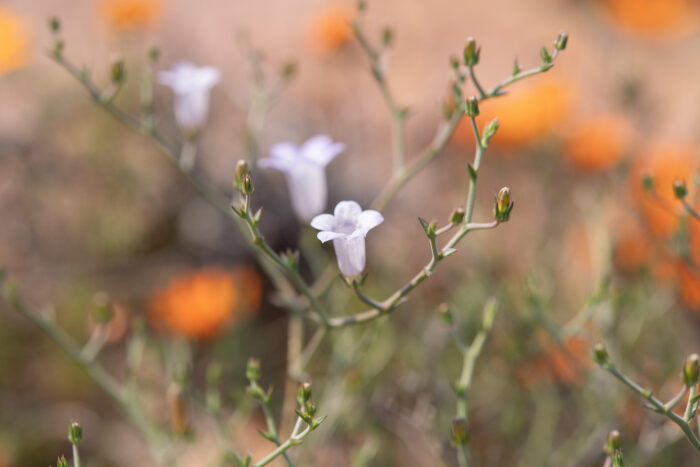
(312, 302)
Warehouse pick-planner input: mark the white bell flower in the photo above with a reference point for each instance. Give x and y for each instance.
(347, 227)
(191, 85)
(305, 168)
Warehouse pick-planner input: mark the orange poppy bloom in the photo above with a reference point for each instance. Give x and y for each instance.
(201, 304)
(598, 143)
(528, 113)
(330, 28)
(654, 17)
(131, 14)
(664, 164)
(14, 41)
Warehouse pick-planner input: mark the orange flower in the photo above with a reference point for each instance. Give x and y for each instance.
(202, 303)
(527, 114)
(131, 14)
(632, 246)
(561, 363)
(14, 41)
(664, 164)
(598, 143)
(330, 28)
(689, 286)
(654, 17)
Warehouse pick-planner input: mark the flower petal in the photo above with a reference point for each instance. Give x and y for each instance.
(368, 220)
(347, 211)
(321, 149)
(323, 222)
(325, 235)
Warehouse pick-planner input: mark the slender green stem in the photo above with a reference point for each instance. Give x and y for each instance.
(294, 440)
(690, 210)
(398, 115)
(655, 404)
(76, 456)
(480, 90)
(98, 374)
(692, 404)
(293, 274)
(270, 421)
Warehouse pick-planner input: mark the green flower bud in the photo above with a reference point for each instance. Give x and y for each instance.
(252, 371)
(460, 431)
(691, 370)
(61, 462)
(545, 56)
(247, 186)
(457, 216)
(680, 190)
(103, 308)
(561, 40)
(612, 443)
(489, 131)
(54, 24)
(117, 71)
(445, 314)
(471, 52)
(75, 433)
(304, 393)
(503, 205)
(600, 354)
(472, 106)
(242, 170)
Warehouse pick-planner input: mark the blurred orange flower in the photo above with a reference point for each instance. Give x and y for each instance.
(202, 303)
(632, 246)
(599, 142)
(330, 28)
(564, 363)
(14, 41)
(689, 285)
(654, 17)
(527, 114)
(131, 14)
(664, 164)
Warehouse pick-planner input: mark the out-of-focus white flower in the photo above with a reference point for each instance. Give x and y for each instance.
(305, 168)
(347, 227)
(191, 85)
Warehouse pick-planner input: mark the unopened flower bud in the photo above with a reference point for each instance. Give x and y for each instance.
(471, 52)
(117, 72)
(691, 370)
(545, 56)
(177, 406)
(289, 69)
(252, 371)
(460, 431)
(680, 190)
(242, 170)
(103, 308)
(612, 443)
(291, 258)
(445, 314)
(304, 393)
(561, 40)
(61, 462)
(75, 433)
(472, 106)
(54, 24)
(310, 408)
(387, 36)
(153, 54)
(503, 205)
(247, 185)
(600, 354)
(457, 216)
(489, 131)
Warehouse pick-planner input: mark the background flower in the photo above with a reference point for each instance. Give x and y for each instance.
(305, 168)
(191, 85)
(14, 41)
